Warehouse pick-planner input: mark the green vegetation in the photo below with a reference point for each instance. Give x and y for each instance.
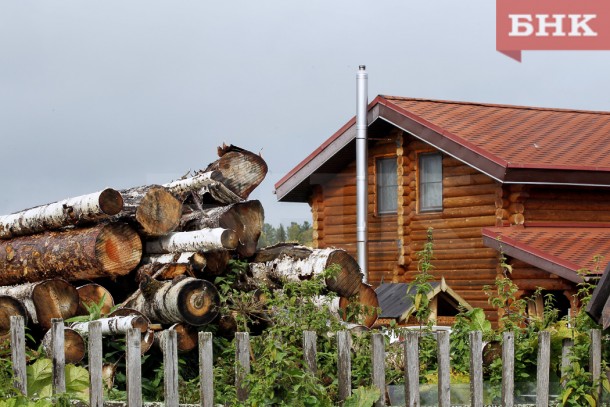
(302, 234)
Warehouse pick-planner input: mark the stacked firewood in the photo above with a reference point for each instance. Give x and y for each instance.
(145, 256)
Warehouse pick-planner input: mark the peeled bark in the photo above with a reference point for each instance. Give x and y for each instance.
(92, 294)
(198, 240)
(186, 335)
(361, 308)
(82, 209)
(9, 307)
(173, 265)
(114, 325)
(186, 299)
(45, 300)
(152, 208)
(229, 179)
(74, 345)
(297, 263)
(78, 254)
(245, 218)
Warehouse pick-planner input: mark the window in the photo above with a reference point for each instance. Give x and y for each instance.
(387, 185)
(430, 182)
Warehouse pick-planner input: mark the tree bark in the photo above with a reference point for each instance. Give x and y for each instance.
(74, 345)
(360, 308)
(82, 209)
(114, 325)
(152, 209)
(172, 265)
(198, 240)
(187, 337)
(10, 306)
(78, 254)
(148, 337)
(245, 218)
(274, 265)
(90, 294)
(184, 299)
(45, 300)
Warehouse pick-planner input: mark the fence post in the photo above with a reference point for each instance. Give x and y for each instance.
(134, 368)
(476, 369)
(544, 365)
(206, 369)
(58, 356)
(18, 353)
(595, 360)
(444, 378)
(566, 348)
(96, 390)
(170, 368)
(508, 369)
(378, 359)
(309, 351)
(411, 351)
(242, 367)
(344, 364)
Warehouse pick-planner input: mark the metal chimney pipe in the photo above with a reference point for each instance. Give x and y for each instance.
(361, 171)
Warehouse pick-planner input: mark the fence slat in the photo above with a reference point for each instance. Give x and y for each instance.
(96, 389)
(444, 378)
(411, 351)
(566, 349)
(242, 367)
(18, 353)
(344, 364)
(476, 369)
(310, 350)
(595, 359)
(134, 368)
(544, 366)
(378, 360)
(170, 368)
(206, 369)
(58, 356)
(508, 369)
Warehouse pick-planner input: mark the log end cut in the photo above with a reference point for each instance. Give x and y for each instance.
(10, 307)
(118, 248)
(54, 299)
(94, 294)
(246, 219)
(239, 170)
(159, 212)
(347, 282)
(363, 306)
(198, 302)
(110, 201)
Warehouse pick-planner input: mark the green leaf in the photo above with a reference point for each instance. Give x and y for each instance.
(567, 394)
(39, 376)
(362, 397)
(77, 382)
(591, 400)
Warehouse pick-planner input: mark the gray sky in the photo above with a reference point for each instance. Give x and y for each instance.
(124, 93)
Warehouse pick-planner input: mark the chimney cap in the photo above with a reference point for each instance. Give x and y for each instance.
(362, 67)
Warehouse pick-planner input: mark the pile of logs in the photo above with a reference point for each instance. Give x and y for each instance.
(145, 257)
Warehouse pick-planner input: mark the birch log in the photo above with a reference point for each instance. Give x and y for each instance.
(297, 263)
(45, 300)
(82, 209)
(186, 334)
(118, 325)
(10, 306)
(245, 218)
(152, 208)
(74, 345)
(92, 295)
(106, 250)
(204, 185)
(173, 265)
(361, 308)
(198, 240)
(186, 299)
(148, 337)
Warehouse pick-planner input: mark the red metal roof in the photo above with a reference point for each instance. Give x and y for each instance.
(558, 250)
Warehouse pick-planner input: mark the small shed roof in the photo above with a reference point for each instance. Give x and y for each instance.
(599, 305)
(512, 144)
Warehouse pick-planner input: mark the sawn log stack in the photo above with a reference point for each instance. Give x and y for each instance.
(148, 256)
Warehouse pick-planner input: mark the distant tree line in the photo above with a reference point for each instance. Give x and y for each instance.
(271, 235)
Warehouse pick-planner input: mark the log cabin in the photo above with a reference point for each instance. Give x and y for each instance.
(531, 183)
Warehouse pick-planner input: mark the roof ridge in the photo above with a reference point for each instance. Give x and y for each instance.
(551, 109)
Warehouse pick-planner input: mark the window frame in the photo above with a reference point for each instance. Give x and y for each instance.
(377, 185)
(433, 209)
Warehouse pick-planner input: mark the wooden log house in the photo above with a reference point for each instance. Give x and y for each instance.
(531, 182)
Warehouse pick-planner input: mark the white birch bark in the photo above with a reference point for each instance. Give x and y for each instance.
(171, 258)
(198, 240)
(114, 325)
(91, 207)
(203, 184)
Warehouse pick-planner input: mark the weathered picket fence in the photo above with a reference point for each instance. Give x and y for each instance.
(412, 397)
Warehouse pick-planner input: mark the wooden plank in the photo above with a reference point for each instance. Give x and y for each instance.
(309, 351)
(595, 360)
(508, 369)
(170, 368)
(411, 354)
(96, 387)
(18, 353)
(476, 369)
(566, 349)
(344, 364)
(544, 366)
(378, 360)
(58, 356)
(134, 368)
(206, 369)
(242, 365)
(444, 378)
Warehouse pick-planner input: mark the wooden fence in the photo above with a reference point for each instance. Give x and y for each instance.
(411, 374)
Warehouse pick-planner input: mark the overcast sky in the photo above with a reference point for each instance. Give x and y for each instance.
(123, 93)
